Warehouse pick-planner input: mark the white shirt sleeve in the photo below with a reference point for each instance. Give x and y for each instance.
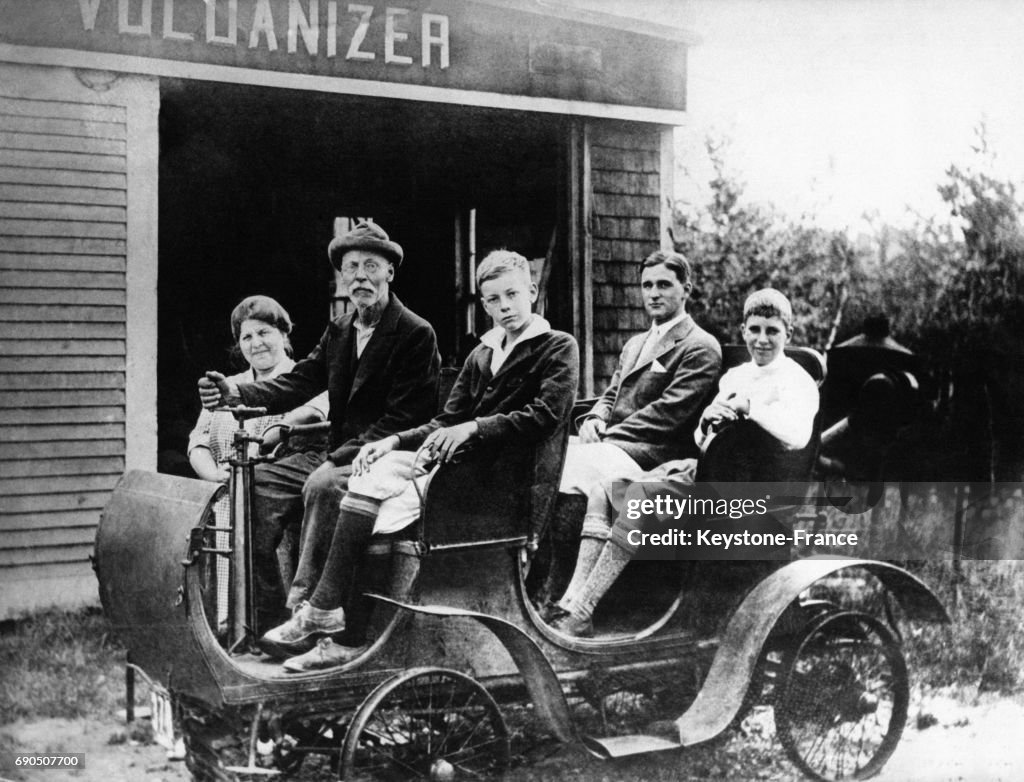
(320, 404)
(199, 437)
(728, 384)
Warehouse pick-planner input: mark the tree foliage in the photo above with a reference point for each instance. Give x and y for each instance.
(740, 247)
(952, 290)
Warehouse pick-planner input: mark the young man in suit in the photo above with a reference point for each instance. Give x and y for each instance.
(379, 365)
(646, 416)
(664, 379)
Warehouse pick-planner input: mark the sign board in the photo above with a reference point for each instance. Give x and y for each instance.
(449, 44)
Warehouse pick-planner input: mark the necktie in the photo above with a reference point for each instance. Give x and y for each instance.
(648, 350)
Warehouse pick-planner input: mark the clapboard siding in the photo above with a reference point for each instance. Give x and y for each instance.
(65, 519)
(39, 141)
(13, 487)
(23, 364)
(62, 347)
(625, 224)
(60, 195)
(63, 239)
(43, 313)
(62, 211)
(56, 450)
(62, 246)
(58, 227)
(112, 127)
(43, 554)
(90, 465)
(65, 330)
(106, 298)
(41, 506)
(63, 399)
(57, 109)
(57, 536)
(43, 177)
(17, 434)
(56, 415)
(76, 129)
(22, 381)
(46, 278)
(62, 263)
(63, 161)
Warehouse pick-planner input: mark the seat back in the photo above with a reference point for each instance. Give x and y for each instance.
(849, 368)
(493, 496)
(875, 402)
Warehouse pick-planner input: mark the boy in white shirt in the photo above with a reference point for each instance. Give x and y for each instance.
(771, 390)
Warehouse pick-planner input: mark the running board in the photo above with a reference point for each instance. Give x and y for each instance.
(623, 746)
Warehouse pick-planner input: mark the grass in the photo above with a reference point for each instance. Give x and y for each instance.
(983, 649)
(60, 664)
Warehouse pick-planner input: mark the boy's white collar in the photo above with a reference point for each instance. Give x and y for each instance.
(494, 337)
(775, 363)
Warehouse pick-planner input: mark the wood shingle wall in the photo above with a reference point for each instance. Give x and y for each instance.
(626, 226)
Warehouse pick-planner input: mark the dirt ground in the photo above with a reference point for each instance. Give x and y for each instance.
(973, 743)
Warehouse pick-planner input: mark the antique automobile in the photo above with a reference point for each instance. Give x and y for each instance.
(459, 644)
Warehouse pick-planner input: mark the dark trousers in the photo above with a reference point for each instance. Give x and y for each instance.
(285, 497)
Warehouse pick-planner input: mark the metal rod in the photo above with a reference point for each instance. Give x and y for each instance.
(239, 571)
(248, 476)
(233, 564)
(129, 692)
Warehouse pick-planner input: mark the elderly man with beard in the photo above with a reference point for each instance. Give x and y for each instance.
(379, 365)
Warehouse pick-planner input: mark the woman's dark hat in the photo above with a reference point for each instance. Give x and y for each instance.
(365, 236)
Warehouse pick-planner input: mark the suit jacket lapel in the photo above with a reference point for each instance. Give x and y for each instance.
(634, 348)
(377, 349)
(512, 360)
(345, 339)
(665, 344)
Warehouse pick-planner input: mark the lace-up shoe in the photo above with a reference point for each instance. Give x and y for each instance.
(326, 654)
(299, 634)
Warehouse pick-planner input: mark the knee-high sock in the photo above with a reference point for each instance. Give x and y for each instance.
(609, 565)
(590, 550)
(597, 528)
(351, 536)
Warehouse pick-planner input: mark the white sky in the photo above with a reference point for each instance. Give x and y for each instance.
(843, 107)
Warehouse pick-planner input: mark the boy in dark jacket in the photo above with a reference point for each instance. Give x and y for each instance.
(516, 388)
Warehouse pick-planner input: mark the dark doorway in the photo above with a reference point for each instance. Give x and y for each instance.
(252, 179)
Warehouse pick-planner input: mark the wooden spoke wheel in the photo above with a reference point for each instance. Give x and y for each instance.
(426, 723)
(842, 699)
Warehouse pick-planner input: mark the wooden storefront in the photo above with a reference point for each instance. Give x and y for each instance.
(161, 159)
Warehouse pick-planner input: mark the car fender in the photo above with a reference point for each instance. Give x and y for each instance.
(540, 679)
(729, 676)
